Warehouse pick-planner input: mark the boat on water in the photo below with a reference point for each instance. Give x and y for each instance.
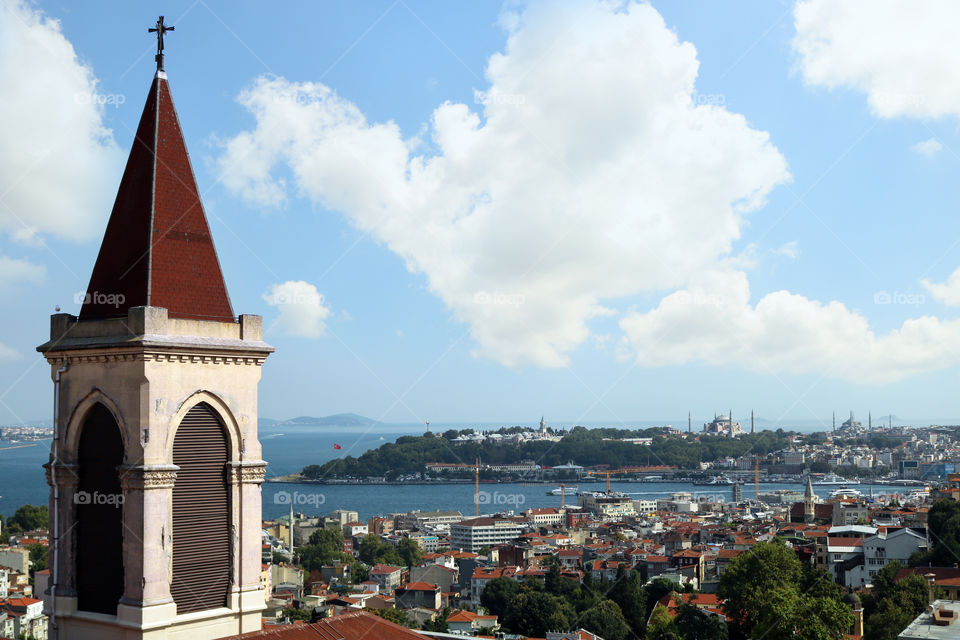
(717, 481)
(567, 491)
(845, 492)
(830, 479)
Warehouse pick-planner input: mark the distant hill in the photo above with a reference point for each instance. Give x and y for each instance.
(338, 420)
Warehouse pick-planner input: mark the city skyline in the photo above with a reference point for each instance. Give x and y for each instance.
(781, 252)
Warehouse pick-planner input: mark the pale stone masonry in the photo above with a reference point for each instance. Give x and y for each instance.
(149, 371)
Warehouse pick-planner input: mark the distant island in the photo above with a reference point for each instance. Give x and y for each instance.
(336, 420)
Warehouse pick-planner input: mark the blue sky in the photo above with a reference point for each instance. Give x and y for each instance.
(488, 212)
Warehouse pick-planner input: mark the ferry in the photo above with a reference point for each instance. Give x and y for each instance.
(845, 492)
(829, 480)
(567, 491)
(718, 481)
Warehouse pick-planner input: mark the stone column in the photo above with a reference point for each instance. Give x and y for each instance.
(65, 477)
(246, 477)
(147, 509)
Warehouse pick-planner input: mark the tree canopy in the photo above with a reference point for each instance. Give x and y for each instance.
(410, 454)
(27, 518)
(892, 605)
(769, 592)
(943, 525)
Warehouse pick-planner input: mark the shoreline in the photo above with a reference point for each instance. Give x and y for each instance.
(299, 479)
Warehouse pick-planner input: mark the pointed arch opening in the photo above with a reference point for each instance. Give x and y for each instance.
(202, 552)
(99, 513)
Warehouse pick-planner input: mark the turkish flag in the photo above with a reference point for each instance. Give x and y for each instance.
(336, 446)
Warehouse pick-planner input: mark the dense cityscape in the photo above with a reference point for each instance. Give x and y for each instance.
(581, 224)
(602, 562)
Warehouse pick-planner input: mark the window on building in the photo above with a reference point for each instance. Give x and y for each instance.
(99, 514)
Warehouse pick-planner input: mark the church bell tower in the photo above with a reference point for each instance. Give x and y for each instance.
(155, 467)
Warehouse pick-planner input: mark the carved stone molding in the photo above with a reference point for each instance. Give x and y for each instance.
(158, 357)
(99, 358)
(247, 472)
(153, 476)
(66, 475)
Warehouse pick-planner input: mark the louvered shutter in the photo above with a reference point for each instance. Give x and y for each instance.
(201, 513)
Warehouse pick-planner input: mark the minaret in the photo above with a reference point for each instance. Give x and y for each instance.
(869, 421)
(809, 502)
(543, 426)
(834, 421)
(730, 426)
(752, 425)
(689, 421)
(155, 467)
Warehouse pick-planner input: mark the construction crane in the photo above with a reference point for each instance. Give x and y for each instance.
(603, 473)
(626, 470)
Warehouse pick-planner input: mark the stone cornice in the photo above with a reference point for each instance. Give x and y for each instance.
(66, 474)
(148, 476)
(247, 471)
(87, 357)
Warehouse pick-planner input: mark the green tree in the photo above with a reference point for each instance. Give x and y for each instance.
(661, 625)
(38, 557)
(409, 552)
(535, 613)
(747, 584)
(498, 594)
(763, 589)
(893, 603)
(29, 517)
(629, 594)
(943, 524)
(324, 547)
(297, 614)
(606, 620)
(693, 624)
(656, 589)
(396, 616)
(373, 550)
(440, 623)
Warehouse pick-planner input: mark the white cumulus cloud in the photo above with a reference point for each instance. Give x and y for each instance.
(713, 322)
(6, 353)
(788, 249)
(948, 292)
(15, 271)
(929, 147)
(59, 165)
(301, 307)
(585, 173)
(902, 55)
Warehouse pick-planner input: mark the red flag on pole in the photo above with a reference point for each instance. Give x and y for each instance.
(336, 446)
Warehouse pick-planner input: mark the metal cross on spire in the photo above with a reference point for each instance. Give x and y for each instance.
(160, 30)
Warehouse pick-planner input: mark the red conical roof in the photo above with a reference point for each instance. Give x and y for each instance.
(157, 250)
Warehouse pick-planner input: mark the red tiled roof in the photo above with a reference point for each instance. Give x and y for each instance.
(845, 542)
(381, 569)
(420, 586)
(462, 615)
(157, 249)
(355, 625)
